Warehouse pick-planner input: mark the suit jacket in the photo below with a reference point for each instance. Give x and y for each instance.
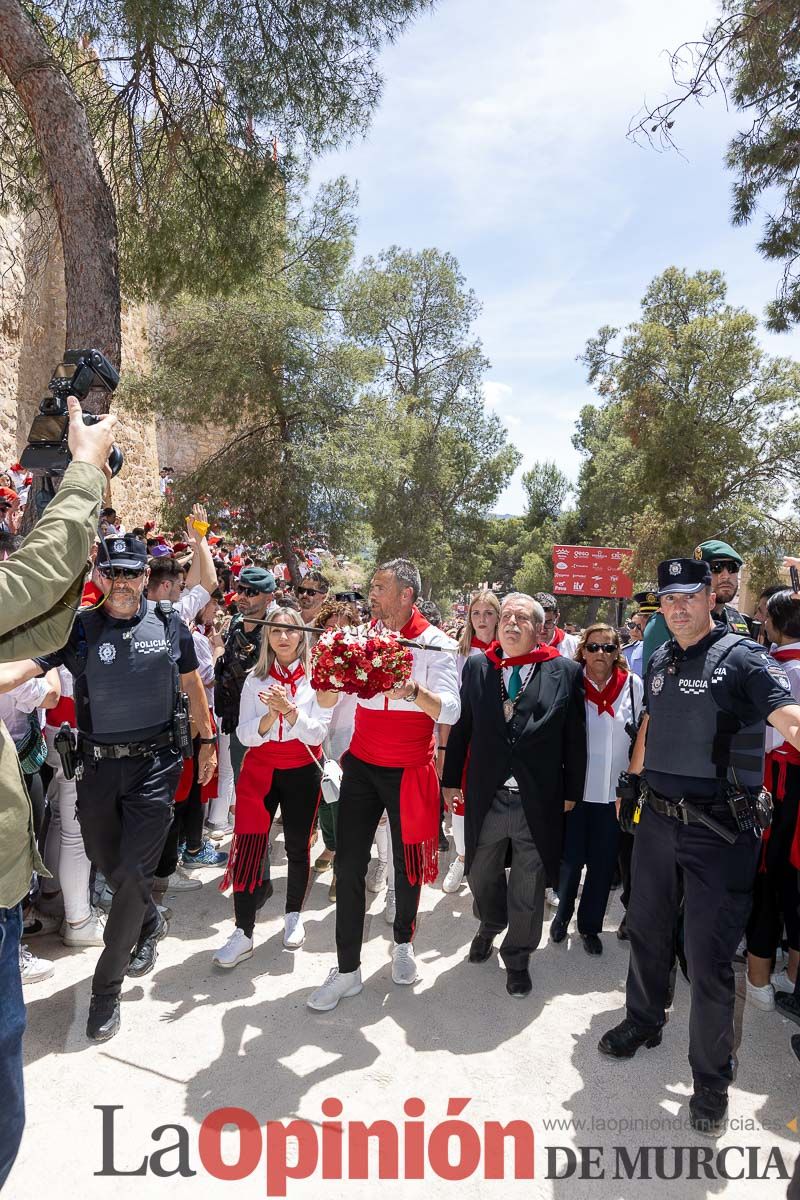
(543, 747)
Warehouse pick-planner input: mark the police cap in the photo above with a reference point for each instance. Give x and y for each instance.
(258, 578)
(122, 550)
(715, 549)
(646, 602)
(682, 575)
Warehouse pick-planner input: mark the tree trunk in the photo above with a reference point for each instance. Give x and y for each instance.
(82, 200)
(592, 610)
(287, 545)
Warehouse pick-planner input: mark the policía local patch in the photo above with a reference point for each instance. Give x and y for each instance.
(657, 683)
(106, 652)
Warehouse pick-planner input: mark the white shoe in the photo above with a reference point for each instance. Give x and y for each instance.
(181, 881)
(391, 906)
(761, 997)
(404, 968)
(88, 933)
(781, 981)
(293, 932)
(338, 986)
(455, 875)
(237, 948)
(551, 897)
(217, 832)
(377, 874)
(38, 923)
(33, 969)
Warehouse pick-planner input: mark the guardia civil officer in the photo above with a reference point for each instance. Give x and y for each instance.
(132, 660)
(725, 566)
(700, 753)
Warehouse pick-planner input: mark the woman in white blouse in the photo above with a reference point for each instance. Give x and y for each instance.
(591, 838)
(283, 722)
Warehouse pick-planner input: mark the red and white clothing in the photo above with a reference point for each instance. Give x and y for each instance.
(780, 753)
(608, 743)
(565, 643)
(312, 721)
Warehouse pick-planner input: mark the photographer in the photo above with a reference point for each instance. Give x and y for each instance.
(40, 587)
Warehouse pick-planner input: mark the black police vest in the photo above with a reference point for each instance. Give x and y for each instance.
(689, 734)
(241, 652)
(130, 674)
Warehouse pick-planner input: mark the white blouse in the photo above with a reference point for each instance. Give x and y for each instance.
(608, 743)
(312, 719)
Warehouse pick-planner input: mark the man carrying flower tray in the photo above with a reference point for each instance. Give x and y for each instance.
(390, 765)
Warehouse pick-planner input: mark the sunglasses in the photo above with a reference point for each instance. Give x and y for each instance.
(246, 591)
(724, 564)
(606, 647)
(306, 591)
(121, 572)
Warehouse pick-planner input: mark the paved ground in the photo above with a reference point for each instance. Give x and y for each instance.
(195, 1039)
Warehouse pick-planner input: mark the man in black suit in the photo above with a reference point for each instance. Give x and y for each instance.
(523, 723)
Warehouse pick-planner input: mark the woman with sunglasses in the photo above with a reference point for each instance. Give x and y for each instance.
(283, 722)
(591, 838)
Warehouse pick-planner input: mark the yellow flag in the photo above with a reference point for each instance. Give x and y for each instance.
(202, 527)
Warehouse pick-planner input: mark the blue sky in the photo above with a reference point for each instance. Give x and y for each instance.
(501, 137)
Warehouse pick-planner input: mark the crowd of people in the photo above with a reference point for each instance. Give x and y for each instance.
(174, 727)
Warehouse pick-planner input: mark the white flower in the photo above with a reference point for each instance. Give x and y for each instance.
(361, 674)
(336, 681)
(337, 659)
(377, 660)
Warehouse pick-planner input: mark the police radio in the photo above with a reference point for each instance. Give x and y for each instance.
(181, 726)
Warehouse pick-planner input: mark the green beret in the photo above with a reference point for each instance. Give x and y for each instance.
(714, 549)
(258, 578)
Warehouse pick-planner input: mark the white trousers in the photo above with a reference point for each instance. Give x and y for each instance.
(218, 807)
(64, 853)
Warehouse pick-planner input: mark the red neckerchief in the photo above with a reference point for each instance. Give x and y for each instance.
(415, 625)
(605, 699)
(785, 655)
(557, 637)
(286, 677)
(540, 654)
(477, 644)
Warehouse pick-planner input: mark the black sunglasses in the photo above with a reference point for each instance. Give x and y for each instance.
(724, 564)
(306, 591)
(246, 591)
(121, 572)
(606, 647)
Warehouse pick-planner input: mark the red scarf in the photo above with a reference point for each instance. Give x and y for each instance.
(783, 756)
(415, 625)
(604, 698)
(245, 869)
(540, 654)
(477, 644)
(558, 637)
(387, 738)
(289, 679)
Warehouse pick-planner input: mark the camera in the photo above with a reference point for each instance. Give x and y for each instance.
(47, 448)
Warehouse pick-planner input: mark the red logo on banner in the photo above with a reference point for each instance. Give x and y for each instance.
(590, 571)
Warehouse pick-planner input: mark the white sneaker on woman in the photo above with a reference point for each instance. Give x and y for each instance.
(455, 876)
(88, 933)
(237, 948)
(336, 987)
(391, 907)
(761, 997)
(32, 969)
(377, 874)
(404, 968)
(293, 932)
(781, 981)
(181, 881)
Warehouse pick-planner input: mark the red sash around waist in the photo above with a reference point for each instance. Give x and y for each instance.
(782, 757)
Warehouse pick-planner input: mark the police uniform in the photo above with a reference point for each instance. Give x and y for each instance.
(707, 707)
(727, 614)
(127, 680)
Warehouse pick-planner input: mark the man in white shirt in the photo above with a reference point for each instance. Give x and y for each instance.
(390, 765)
(552, 635)
(191, 592)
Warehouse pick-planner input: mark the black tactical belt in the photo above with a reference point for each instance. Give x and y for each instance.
(98, 750)
(676, 810)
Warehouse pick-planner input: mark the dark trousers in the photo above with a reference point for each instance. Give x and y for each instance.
(516, 904)
(591, 840)
(238, 752)
(187, 823)
(776, 889)
(327, 823)
(12, 1027)
(624, 856)
(365, 792)
(296, 791)
(125, 811)
(717, 887)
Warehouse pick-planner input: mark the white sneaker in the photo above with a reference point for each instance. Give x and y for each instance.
(181, 881)
(293, 932)
(404, 968)
(781, 981)
(455, 876)
(551, 897)
(217, 832)
(391, 906)
(38, 923)
(237, 948)
(377, 874)
(33, 969)
(761, 997)
(88, 933)
(338, 986)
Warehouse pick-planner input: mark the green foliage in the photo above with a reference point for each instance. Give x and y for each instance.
(697, 433)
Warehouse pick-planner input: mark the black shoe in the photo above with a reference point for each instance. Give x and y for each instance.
(788, 1003)
(592, 943)
(558, 930)
(444, 843)
(707, 1110)
(625, 1039)
(518, 983)
(622, 932)
(103, 1020)
(481, 947)
(269, 889)
(143, 958)
(795, 1044)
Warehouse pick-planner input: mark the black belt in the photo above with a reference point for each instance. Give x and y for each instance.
(99, 750)
(676, 810)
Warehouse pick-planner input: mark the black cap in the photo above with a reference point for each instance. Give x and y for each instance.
(685, 575)
(122, 550)
(353, 596)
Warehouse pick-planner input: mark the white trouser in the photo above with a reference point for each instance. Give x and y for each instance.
(218, 807)
(458, 834)
(383, 840)
(64, 853)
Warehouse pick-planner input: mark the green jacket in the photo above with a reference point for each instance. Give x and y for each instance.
(40, 589)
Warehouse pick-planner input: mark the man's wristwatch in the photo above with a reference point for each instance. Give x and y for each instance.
(410, 699)
(212, 741)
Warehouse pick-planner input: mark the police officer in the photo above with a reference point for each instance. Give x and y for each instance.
(708, 694)
(725, 565)
(131, 659)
